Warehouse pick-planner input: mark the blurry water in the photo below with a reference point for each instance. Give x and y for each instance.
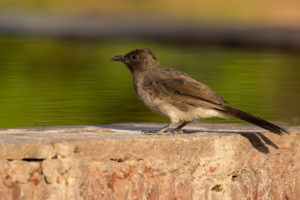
(57, 82)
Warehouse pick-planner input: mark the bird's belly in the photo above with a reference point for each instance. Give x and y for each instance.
(164, 108)
(194, 113)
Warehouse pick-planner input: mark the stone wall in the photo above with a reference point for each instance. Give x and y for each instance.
(210, 161)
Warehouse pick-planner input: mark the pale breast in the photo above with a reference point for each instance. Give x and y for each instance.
(148, 98)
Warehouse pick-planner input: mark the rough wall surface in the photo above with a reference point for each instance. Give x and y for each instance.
(219, 161)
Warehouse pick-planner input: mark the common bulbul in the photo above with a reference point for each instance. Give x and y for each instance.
(176, 95)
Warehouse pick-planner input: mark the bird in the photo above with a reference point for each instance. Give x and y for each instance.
(176, 95)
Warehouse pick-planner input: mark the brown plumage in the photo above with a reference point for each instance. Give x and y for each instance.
(176, 95)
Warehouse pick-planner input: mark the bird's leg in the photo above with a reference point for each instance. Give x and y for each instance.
(163, 129)
(178, 130)
(160, 131)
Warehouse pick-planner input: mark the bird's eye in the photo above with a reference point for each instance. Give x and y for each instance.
(133, 57)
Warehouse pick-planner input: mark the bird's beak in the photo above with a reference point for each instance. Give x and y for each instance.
(118, 58)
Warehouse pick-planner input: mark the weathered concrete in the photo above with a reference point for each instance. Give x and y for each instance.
(211, 161)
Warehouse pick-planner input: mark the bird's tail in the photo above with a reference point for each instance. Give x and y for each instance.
(254, 120)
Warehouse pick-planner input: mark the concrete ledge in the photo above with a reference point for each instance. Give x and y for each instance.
(211, 161)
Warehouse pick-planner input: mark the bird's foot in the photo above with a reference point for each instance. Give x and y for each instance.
(147, 132)
(163, 132)
(156, 132)
(177, 131)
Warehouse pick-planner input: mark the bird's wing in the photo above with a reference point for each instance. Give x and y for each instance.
(182, 89)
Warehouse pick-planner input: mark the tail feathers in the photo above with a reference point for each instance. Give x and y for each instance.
(254, 120)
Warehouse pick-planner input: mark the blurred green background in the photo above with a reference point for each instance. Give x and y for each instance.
(51, 81)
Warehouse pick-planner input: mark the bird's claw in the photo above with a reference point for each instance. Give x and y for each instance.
(177, 131)
(146, 132)
(155, 132)
(160, 132)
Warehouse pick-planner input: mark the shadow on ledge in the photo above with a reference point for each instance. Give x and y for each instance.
(257, 139)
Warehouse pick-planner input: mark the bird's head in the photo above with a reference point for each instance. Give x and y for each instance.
(137, 60)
